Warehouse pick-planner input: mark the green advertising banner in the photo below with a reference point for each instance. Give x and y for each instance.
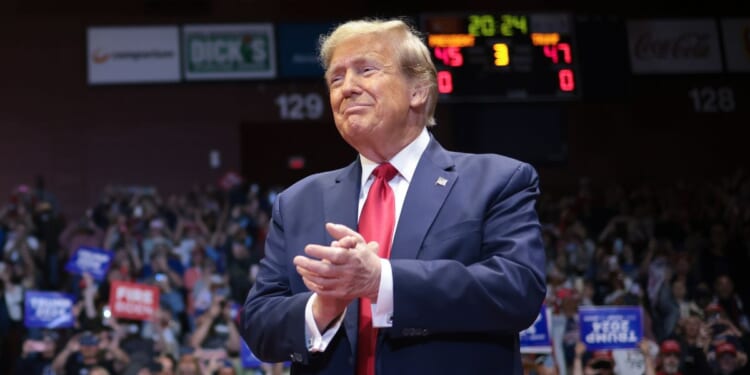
(228, 51)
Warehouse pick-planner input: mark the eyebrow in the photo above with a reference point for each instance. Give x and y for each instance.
(359, 60)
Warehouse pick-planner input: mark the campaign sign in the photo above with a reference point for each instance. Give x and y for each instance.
(92, 260)
(249, 360)
(536, 338)
(133, 301)
(605, 327)
(48, 310)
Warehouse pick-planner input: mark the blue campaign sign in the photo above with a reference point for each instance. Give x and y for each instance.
(92, 260)
(48, 309)
(605, 327)
(249, 360)
(536, 338)
(298, 49)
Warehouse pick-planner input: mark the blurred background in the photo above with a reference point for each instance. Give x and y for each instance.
(162, 130)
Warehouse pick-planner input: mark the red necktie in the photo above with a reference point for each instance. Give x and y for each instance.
(376, 223)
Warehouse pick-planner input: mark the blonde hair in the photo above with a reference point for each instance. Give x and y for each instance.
(413, 54)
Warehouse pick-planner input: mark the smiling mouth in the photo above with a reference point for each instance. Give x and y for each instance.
(355, 108)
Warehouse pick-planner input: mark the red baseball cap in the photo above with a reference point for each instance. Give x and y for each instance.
(726, 348)
(714, 307)
(606, 355)
(564, 293)
(670, 346)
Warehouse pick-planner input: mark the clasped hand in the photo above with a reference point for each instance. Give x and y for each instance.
(347, 269)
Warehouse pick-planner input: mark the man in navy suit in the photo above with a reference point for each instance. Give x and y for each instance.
(466, 267)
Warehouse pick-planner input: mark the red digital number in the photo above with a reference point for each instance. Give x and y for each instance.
(445, 82)
(450, 56)
(565, 48)
(551, 51)
(566, 80)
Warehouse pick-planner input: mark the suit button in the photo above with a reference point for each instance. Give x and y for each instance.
(296, 357)
(424, 332)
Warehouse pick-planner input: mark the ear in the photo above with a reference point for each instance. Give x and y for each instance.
(419, 94)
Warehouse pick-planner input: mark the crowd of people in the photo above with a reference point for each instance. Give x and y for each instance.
(678, 250)
(201, 250)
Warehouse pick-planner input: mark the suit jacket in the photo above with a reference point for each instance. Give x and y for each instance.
(467, 259)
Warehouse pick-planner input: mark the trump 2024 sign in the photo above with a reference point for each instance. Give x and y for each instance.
(605, 327)
(48, 309)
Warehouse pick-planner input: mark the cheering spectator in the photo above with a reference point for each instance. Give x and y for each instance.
(168, 364)
(39, 350)
(158, 236)
(85, 352)
(600, 362)
(164, 274)
(685, 306)
(728, 360)
(730, 302)
(216, 329)
(188, 364)
(165, 332)
(669, 358)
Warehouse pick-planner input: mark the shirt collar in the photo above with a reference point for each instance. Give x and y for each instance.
(405, 161)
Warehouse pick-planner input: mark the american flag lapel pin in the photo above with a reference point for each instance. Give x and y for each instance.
(441, 181)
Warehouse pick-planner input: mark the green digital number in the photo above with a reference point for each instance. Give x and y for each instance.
(481, 25)
(509, 22)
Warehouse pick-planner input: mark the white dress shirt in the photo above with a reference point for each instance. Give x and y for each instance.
(405, 163)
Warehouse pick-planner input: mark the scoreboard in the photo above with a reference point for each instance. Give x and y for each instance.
(496, 57)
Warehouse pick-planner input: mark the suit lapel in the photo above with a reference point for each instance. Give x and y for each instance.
(430, 185)
(340, 202)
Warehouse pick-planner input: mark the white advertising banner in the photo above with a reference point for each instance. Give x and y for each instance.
(736, 34)
(674, 46)
(133, 54)
(231, 51)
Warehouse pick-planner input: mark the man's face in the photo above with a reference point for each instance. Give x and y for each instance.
(89, 350)
(371, 98)
(724, 287)
(727, 363)
(166, 366)
(671, 363)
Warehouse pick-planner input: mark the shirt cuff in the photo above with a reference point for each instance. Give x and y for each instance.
(382, 312)
(317, 342)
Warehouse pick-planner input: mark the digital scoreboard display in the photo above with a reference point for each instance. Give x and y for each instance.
(495, 57)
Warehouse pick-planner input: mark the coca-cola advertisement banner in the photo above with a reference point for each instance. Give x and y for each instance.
(674, 46)
(736, 34)
(133, 301)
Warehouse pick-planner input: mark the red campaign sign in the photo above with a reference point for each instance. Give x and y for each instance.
(133, 301)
